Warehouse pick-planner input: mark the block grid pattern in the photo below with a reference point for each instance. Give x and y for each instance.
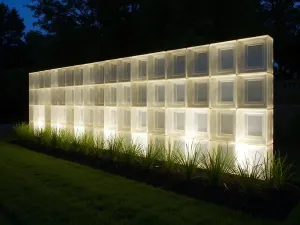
(217, 94)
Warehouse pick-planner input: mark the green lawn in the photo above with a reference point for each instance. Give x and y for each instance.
(39, 189)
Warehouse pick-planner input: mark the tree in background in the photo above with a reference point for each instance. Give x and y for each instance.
(11, 33)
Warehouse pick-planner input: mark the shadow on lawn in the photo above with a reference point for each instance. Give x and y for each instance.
(269, 203)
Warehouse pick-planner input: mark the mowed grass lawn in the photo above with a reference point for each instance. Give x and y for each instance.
(39, 189)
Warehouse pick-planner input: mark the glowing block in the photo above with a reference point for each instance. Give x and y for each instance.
(139, 120)
(198, 61)
(197, 123)
(110, 94)
(223, 124)
(141, 139)
(139, 68)
(255, 126)
(97, 72)
(88, 95)
(252, 155)
(88, 116)
(176, 64)
(156, 93)
(99, 95)
(157, 66)
(99, 116)
(78, 75)
(110, 71)
(223, 58)
(156, 121)
(111, 118)
(255, 91)
(255, 54)
(176, 121)
(223, 92)
(79, 131)
(69, 77)
(124, 119)
(176, 93)
(198, 92)
(124, 94)
(88, 76)
(78, 116)
(124, 70)
(139, 94)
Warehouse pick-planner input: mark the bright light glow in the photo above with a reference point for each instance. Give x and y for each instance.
(217, 94)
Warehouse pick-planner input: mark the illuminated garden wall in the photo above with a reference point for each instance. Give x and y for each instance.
(217, 94)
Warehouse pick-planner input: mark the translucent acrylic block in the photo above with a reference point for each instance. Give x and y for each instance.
(47, 79)
(47, 96)
(61, 78)
(69, 76)
(223, 58)
(70, 115)
(176, 64)
(110, 71)
(88, 95)
(39, 114)
(38, 125)
(255, 91)
(58, 96)
(69, 95)
(140, 139)
(156, 121)
(88, 76)
(255, 54)
(139, 68)
(31, 112)
(40, 95)
(79, 131)
(197, 123)
(223, 124)
(47, 114)
(178, 144)
(99, 116)
(78, 73)
(156, 93)
(249, 156)
(41, 80)
(223, 92)
(124, 94)
(124, 70)
(255, 126)
(139, 120)
(176, 93)
(157, 66)
(88, 116)
(111, 118)
(198, 92)
(227, 148)
(200, 145)
(78, 95)
(98, 134)
(109, 134)
(58, 115)
(31, 97)
(54, 78)
(126, 136)
(198, 61)
(124, 119)
(139, 94)
(99, 95)
(31, 80)
(176, 121)
(161, 141)
(79, 116)
(97, 71)
(110, 94)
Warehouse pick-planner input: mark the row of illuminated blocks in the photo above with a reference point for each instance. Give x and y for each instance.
(243, 125)
(233, 57)
(244, 91)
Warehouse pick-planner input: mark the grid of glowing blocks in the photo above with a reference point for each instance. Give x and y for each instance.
(217, 94)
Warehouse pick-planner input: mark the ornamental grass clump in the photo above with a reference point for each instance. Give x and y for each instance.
(216, 164)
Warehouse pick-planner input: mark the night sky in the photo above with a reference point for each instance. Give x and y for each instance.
(24, 12)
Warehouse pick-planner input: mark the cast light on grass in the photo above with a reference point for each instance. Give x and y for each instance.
(219, 93)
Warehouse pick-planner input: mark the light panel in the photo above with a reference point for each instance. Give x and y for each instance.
(217, 94)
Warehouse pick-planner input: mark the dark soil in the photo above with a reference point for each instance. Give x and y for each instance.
(268, 203)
